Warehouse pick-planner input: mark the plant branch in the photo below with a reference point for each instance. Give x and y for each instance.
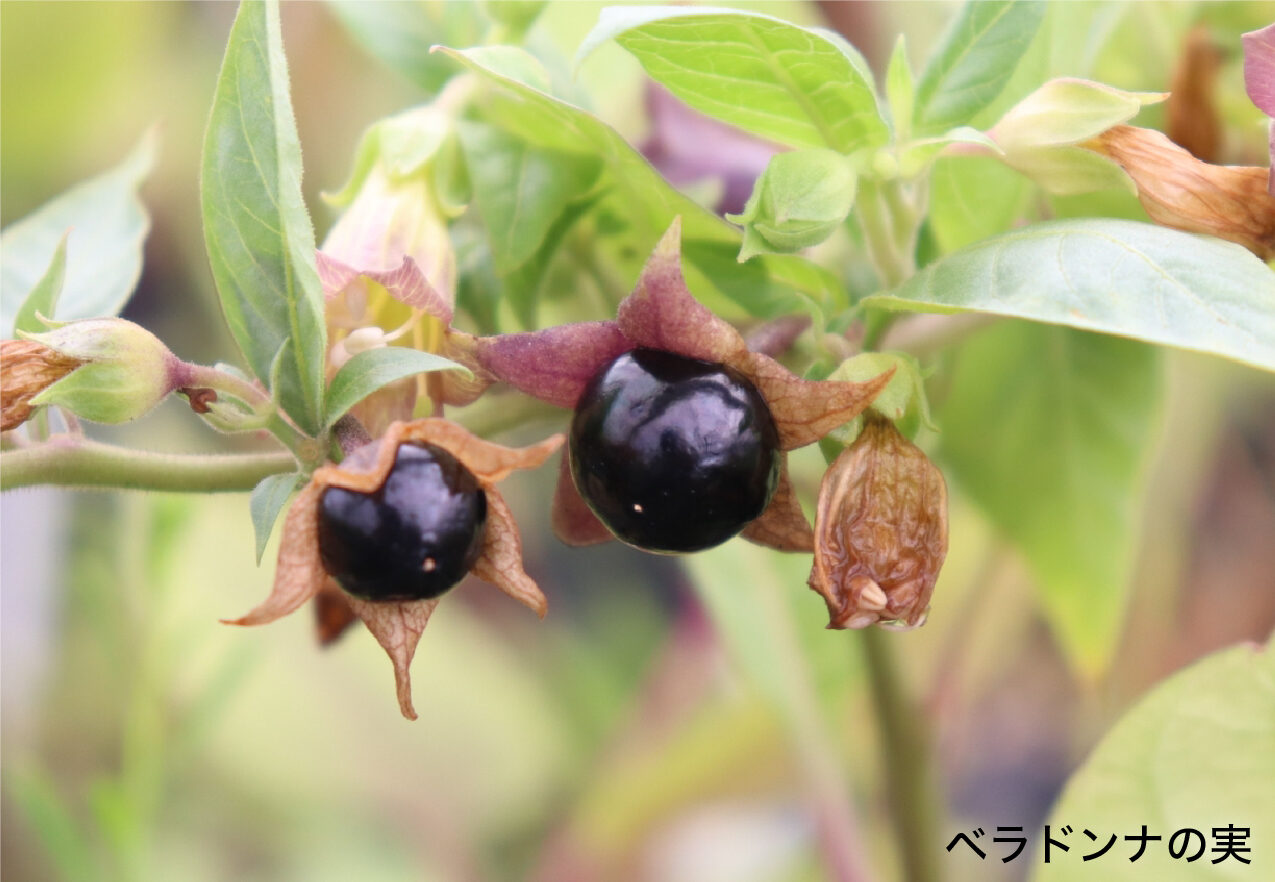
(914, 802)
(77, 462)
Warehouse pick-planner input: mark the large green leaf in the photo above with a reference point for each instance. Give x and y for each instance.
(1114, 276)
(521, 190)
(650, 203)
(108, 225)
(1047, 429)
(260, 242)
(790, 84)
(973, 63)
(1197, 753)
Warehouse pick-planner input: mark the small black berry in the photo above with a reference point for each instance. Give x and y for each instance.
(412, 539)
(671, 453)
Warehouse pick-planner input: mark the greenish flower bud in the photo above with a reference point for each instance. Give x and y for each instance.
(126, 370)
(799, 200)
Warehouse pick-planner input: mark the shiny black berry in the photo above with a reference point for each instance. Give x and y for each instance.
(414, 538)
(671, 453)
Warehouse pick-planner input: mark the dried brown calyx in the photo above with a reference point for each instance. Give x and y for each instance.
(880, 531)
(398, 624)
(1179, 191)
(27, 368)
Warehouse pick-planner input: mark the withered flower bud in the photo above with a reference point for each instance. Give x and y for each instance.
(1180, 191)
(27, 368)
(880, 531)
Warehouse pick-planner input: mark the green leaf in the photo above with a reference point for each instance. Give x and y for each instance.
(915, 155)
(1047, 429)
(43, 298)
(522, 287)
(258, 234)
(108, 225)
(973, 198)
(400, 34)
(1114, 276)
(903, 400)
(373, 368)
(520, 190)
(790, 84)
(267, 500)
(649, 203)
(974, 61)
(1197, 752)
(801, 198)
(900, 90)
(514, 63)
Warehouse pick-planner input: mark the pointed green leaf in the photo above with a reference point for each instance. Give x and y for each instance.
(43, 298)
(1114, 276)
(1047, 429)
(1197, 753)
(790, 84)
(256, 228)
(267, 500)
(373, 368)
(107, 226)
(974, 61)
(900, 90)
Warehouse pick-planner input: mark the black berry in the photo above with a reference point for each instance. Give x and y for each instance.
(671, 453)
(414, 538)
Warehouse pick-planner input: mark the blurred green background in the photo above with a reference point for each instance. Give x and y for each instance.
(622, 738)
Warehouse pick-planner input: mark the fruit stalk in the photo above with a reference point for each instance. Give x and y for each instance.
(75, 462)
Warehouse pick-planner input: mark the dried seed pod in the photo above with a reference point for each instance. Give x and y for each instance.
(880, 531)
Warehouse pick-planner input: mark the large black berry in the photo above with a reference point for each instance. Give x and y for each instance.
(414, 538)
(671, 453)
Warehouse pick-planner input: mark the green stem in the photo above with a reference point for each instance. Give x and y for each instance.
(76, 462)
(881, 233)
(914, 802)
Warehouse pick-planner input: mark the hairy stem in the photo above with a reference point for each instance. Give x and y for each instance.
(914, 801)
(77, 462)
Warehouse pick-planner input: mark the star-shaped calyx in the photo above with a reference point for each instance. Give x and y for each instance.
(680, 433)
(397, 524)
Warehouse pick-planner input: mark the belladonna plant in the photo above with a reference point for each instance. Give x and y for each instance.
(445, 305)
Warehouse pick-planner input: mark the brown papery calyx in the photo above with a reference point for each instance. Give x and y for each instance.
(1179, 191)
(880, 531)
(27, 368)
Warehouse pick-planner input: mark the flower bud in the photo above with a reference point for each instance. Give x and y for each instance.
(800, 199)
(1180, 191)
(880, 531)
(123, 369)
